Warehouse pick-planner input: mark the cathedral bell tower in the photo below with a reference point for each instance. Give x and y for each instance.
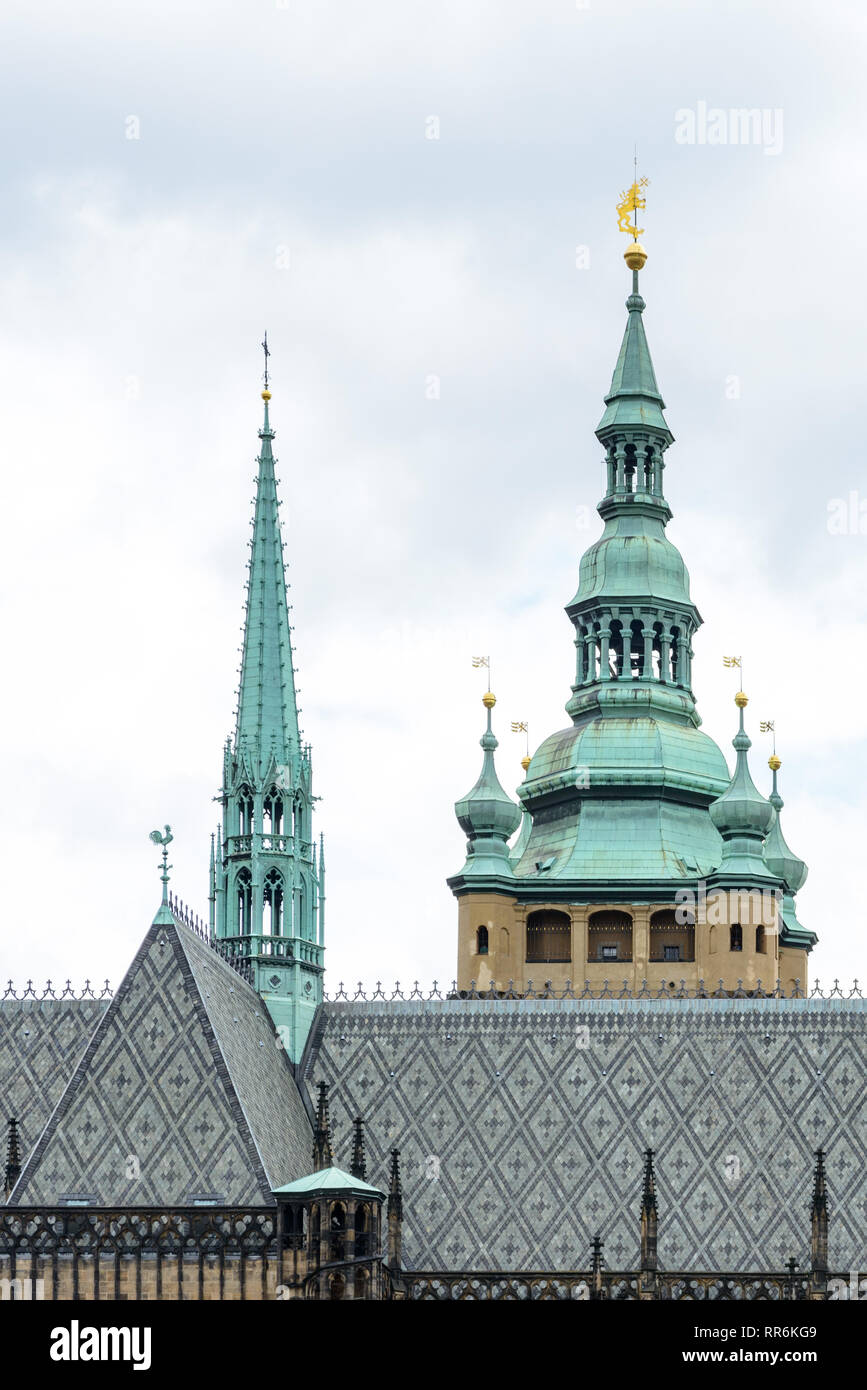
(267, 889)
(629, 814)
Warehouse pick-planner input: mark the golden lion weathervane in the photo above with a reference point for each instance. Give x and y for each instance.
(631, 202)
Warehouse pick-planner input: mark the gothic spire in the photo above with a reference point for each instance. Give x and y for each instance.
(395, 1187)
(267, 715)
(323, 1156)
(395, 1213)
(819, 1222)
(648, 1192)
(358, 1167)
(596, 1267)
(265, 881)
(13, 1157)
(648, 1217)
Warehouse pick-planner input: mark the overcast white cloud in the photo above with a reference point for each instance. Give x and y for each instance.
(136, 278)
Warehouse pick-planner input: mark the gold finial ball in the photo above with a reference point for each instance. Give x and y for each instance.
(266, 394)
(489, 699)
(525, 761)
(635, 256)
(774, 763)
(741, 700)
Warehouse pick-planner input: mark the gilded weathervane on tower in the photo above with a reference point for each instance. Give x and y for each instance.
(631, 202)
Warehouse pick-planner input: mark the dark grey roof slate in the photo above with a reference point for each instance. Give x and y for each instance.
(40, 1043)
(519, 1142)
(174, 1096)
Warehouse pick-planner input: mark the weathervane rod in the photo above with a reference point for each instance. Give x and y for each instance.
(164, 840)
(267, 353)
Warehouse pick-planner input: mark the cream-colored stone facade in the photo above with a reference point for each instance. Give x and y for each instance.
(734, 939)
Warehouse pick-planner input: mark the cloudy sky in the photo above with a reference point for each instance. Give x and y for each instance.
(407, 193)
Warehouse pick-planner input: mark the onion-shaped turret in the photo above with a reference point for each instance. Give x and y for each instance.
(742, 815)
(487, 814)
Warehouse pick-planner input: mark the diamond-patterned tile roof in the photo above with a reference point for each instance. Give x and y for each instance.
(41, 1040)
(518, 1144)
(183, 1090)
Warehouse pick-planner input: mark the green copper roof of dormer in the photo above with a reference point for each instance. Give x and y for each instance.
(267, 718)
(634, 398)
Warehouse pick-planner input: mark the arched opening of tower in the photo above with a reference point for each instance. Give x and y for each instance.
(549, 937)
(671, 939)
(609, 936)
(272, 916)
(273, 816)
(244, 902)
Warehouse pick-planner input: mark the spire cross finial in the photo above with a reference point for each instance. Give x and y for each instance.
(165, 841)
(267, 353)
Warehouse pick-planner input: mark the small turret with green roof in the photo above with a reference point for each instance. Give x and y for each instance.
(487, 814)
(784, 864)
(742, 815)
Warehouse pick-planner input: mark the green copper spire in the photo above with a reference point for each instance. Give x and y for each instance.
(784, 864)
(634, 399)
(633, 614)
(618, 801)
(267, 885)
(781, 861)
(742, 815)
(487, 815)
(520, 844)
(267, 718)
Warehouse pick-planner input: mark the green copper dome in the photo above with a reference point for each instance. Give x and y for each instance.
(618, 798)
(633, 557)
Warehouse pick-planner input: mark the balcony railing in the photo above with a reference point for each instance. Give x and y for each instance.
(288, 948)
(549, 945)
(270, 844)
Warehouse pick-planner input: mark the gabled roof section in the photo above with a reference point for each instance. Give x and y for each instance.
(267, 719)
(184, 1091)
